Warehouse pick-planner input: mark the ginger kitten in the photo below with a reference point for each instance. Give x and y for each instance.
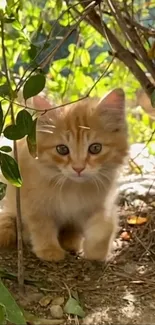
(68, 194)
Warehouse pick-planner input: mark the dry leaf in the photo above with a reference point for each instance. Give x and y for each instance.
(134, 220)
(45, 301)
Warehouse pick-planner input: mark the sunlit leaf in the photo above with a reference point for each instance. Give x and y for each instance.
(85, 58)
(72, 307)
(10, 170)
(100, 58)
(34, 85)
(13, 312)
(16, 24)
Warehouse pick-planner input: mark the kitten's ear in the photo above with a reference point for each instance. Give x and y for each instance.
(41, 103)
(114, 100)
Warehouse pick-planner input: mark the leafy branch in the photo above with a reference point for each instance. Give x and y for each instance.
(18, 204)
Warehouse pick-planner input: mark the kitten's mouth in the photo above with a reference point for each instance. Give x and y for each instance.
(78, 179)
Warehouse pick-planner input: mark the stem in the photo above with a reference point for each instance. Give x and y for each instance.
(18, 202)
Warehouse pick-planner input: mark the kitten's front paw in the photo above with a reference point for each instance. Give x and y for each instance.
(51, 253)
(92, 253)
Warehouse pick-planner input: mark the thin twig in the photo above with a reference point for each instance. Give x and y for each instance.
(18, 205)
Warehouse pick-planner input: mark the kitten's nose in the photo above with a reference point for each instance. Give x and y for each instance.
(78, 170)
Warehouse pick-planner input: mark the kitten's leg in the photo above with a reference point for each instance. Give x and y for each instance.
(70, 237)
(99, 236)
(43, 235)
(8, 234)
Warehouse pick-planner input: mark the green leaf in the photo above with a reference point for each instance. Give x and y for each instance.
(34, 85)
(6, 149)
(10, 170)
(31, 140)
(32, 51)
(12, 132)
(72, 307)
(59, 4)
(1, 118)
(2, 315)
(4, 90)
(16, 24)
(9, 20)
(100, 58)
(13, 312)
(85, 58)
(2, 191)
(24, 124)
(153, 98)
(24, 121)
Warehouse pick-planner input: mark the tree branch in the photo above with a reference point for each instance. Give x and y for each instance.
(18, 205)
(121, 52)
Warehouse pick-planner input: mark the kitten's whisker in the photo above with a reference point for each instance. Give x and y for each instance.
(45, 131)
(49, 126)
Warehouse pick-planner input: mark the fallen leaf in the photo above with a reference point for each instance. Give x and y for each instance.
(58, 301)
(45, 301)
(125, 235)
(134, 220)
(72, 307)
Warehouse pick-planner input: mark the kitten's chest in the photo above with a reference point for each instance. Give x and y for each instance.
(76, 204)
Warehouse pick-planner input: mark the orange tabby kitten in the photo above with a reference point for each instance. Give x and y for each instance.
(68, 194)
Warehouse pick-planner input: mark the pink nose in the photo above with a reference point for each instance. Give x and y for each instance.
(78, 170)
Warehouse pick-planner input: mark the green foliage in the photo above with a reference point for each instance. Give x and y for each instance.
(31, 33)
(34, 85)
(10, 170)
(9, 310)
(23, 126)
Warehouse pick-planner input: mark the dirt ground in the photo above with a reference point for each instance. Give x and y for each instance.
(120, 292)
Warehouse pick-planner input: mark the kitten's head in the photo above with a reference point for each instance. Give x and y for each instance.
(82, 140)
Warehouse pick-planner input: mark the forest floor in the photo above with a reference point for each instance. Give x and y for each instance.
(119, 292)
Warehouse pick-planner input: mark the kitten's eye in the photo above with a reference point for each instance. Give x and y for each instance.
(62, 149)
(95, 148)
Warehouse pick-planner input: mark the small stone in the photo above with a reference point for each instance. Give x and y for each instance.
(45, 301)
(58, 301)
(56, 311)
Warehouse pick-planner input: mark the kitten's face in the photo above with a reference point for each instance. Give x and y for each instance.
(82, 140)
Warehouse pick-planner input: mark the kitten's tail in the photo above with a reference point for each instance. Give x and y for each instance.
(8, 234)
(70, 237)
